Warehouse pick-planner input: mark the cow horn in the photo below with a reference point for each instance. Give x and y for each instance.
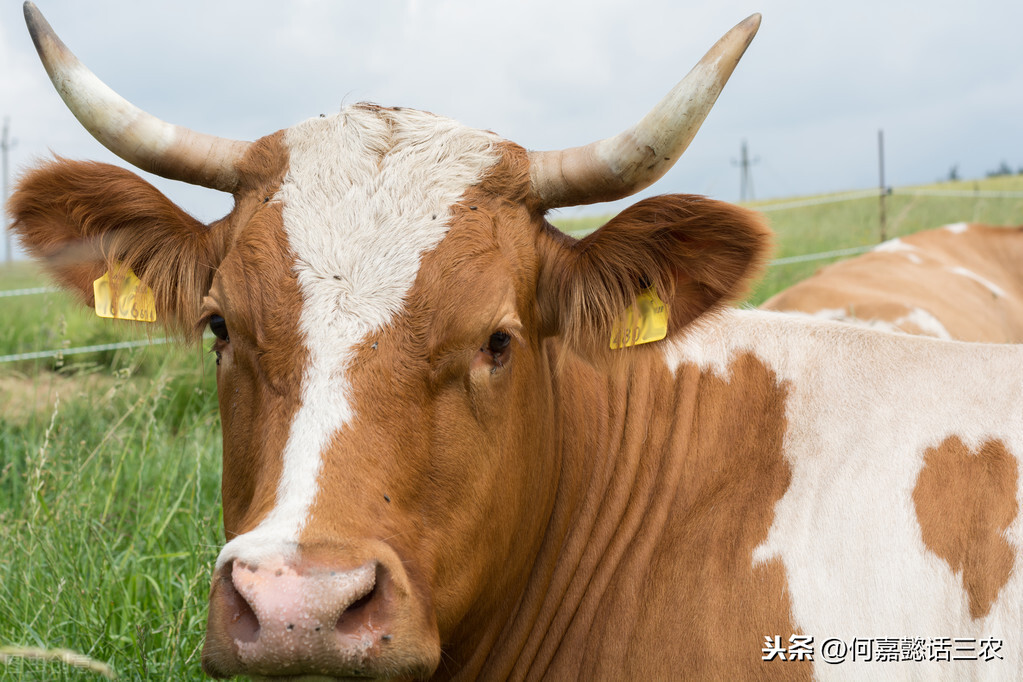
(137, 137)
(632, 160)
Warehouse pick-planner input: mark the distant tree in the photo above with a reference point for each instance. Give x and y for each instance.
(1003, 169)
(953, 173)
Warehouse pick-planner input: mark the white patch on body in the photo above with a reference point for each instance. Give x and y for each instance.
(923, 320)
(896, 245)
(893, 246)
(367, 193)
(957, 228)
(987, 284)
(862, 408)
(830, 314)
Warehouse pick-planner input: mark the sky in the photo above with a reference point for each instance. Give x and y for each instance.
(944, 80)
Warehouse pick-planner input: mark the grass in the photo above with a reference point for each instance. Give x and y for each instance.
(109, 462)
(114, 523)
(109, 497)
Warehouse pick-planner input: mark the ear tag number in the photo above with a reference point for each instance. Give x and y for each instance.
(644, 321)
(121, 296)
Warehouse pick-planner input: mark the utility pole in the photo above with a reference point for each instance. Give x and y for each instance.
(884, 191)
(745, 176)
(5, 147)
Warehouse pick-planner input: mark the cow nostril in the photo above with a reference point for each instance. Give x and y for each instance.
(358, 613)
(368, 610)
(242, 623)
(361, 602)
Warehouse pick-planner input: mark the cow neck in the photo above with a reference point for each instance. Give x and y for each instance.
(659, 467)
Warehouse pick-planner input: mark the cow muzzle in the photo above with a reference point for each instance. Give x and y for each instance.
(286, 617)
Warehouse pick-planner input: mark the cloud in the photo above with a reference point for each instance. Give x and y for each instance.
(944, 80)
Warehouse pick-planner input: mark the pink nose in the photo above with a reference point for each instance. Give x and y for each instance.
(288, 619)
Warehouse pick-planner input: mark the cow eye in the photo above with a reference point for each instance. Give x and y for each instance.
(219, 327)
(498, 342)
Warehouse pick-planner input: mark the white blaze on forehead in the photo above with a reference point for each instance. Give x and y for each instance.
(367, 193)
(957, 228)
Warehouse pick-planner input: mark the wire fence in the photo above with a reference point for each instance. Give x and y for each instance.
(819, 201)
(39, 354)
(852, 251)
(28, 292)
(874, 194)
(814, 201)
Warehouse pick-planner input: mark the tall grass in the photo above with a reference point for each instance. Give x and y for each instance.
(109, 498)
(112, 521)
(109, 464)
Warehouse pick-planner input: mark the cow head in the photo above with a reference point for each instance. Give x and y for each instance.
(390, 307)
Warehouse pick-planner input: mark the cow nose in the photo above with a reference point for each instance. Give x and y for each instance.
(293, 619)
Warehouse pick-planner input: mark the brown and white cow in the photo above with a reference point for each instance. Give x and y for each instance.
(962, 281)
(436, 467)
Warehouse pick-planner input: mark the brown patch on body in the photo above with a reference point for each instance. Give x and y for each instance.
(673, 591)
(964, 502)
(732, 474)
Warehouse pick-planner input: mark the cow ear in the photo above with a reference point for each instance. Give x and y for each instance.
(81, 218)
(700, 254)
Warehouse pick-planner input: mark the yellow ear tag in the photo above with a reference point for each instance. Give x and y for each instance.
(133, 301)
(644, 321)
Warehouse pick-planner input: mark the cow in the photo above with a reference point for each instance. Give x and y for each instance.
(961, 281)
(437, 462)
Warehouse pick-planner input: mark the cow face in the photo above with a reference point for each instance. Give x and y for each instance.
(379, 381)
(390, 310)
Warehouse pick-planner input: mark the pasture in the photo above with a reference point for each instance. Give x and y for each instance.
(109, 461)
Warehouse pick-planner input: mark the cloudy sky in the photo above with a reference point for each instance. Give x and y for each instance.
(943, 79)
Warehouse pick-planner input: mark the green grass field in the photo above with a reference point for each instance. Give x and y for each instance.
(110, 462)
